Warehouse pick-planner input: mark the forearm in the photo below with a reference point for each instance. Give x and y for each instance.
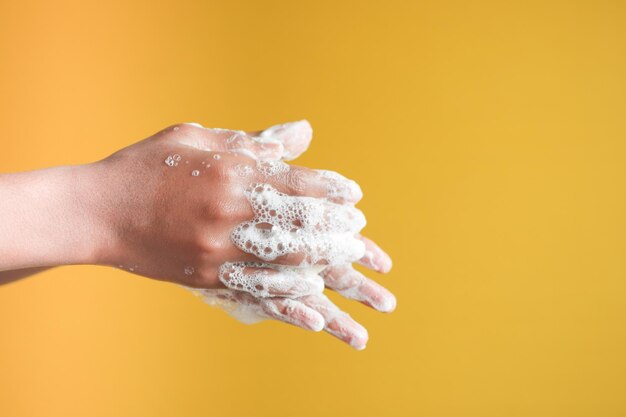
(47, 218)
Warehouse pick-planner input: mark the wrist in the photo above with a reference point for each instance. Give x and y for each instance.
(92, 209)
(50, 217)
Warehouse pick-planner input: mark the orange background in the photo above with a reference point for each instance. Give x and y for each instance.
(490, 141)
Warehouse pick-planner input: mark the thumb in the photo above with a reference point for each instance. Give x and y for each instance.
(295, 137)
(226, 140)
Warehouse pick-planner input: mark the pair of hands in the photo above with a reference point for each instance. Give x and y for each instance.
(218, 211)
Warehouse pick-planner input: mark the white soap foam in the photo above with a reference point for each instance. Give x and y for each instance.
(294, 135)
(272, 168)
(322, 232)
(249, 309)
(245, 311)
(258, 280)
(339, 322)
(340, 187)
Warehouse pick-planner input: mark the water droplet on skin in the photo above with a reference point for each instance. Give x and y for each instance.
(189, 270)
(216, 156)
(172, 160)
(195, 173)
(176, 128)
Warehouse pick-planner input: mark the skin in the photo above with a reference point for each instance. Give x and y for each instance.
(133, 211)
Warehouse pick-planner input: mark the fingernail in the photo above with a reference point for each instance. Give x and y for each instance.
(373, 294)
(318, 323)
(296, 134)
(386, 304)
(355, 190)
(359, 337)
(314, 321)
(339, 187)
(359, 250)
(347, 249)
(384, 263)
(350, 331)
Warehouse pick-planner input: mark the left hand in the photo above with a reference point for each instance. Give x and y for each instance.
(288, 141)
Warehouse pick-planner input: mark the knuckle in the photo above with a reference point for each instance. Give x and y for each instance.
(183, 128)
(225, 210)
(209, 245)
(296, 180)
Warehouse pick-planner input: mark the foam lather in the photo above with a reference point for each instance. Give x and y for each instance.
(311, 233)
(265, 280)
(315, 229)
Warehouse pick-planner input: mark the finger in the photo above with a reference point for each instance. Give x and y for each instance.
(293, 312)
(293, 248)
(225, 140)
(266, 282)
(307, 215)
(294, 136)
(253, 147)
(375, 258)
(338, 323)
(249, 310)
(353, 285)
(300, 181)
(331, 249)
(299, 231)
(291, 251)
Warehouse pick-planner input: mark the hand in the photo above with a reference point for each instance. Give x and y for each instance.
(315, 311)
(138, 211)
(173, 202)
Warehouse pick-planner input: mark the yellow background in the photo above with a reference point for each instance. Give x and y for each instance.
(490, 141)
